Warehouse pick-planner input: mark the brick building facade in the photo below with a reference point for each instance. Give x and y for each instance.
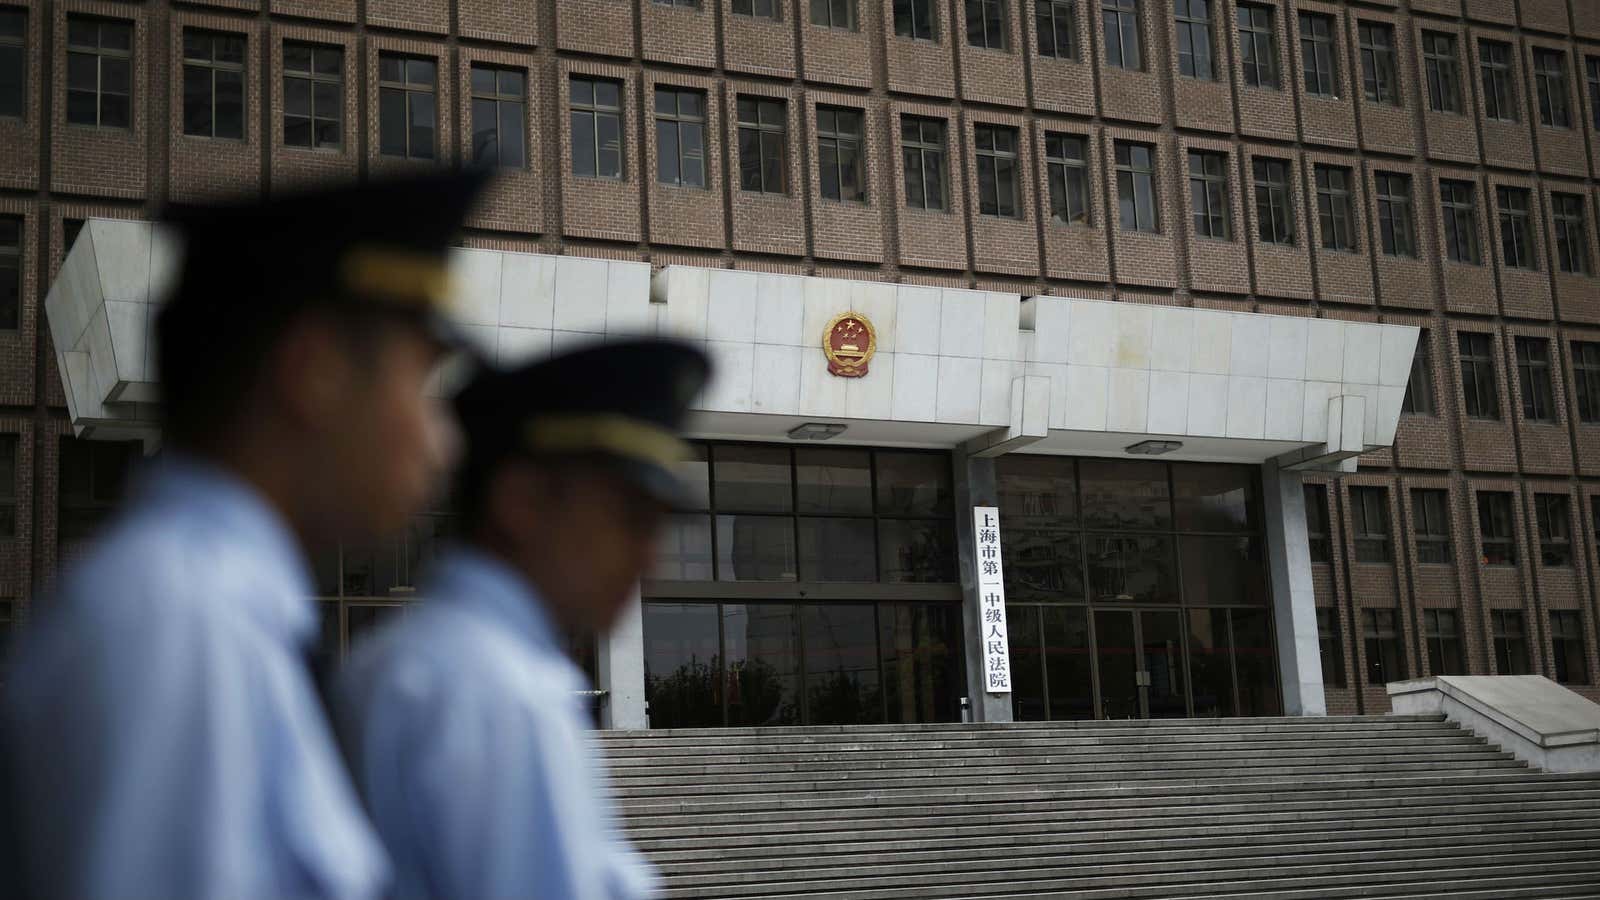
(1331, 105)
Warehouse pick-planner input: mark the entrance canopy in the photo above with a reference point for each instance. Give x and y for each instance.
(988, 372)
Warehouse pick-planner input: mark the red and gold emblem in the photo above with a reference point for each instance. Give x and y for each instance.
(849, 341)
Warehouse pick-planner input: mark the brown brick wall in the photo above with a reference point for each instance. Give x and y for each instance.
(19, 138)
(1148, 259)
(842, 230)
(760, 46)
(685, 215)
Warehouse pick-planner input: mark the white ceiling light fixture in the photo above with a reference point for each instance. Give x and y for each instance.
(1153, 448)
(816, 431)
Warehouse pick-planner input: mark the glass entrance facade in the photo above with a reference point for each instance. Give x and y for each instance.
(1135, 589)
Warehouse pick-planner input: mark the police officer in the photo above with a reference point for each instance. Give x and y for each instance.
(162, 732)
(463, 723)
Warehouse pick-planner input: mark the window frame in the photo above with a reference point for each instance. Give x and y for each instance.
(1498, 80)
(1444, 644)
(1380, 632)
(1419, 398)
(1513, 206)
(1586, 383)
(840, 140)
(1591, 67)
(1380, 75)
(997, 159)
(993, 24)
(1369, 524)
(1503, 634)
(1274, 200)
(762, 130)
(1257, 62)
(1051, 17)
(10, 457)
(1430, 526)
(1552, 515)
(408, 91)
(596, 111)
(1397, 231)
(1566, 630)
(20, 45)
(831, 10)
(1550, 87)
(1479, 388)
(1319, 536)
(1497, 529)
(215, 69)
(1458, 208)
(1534, 364)
(1331, 647)
(1068, 178)
(1319, 56)
(499, 97)
(1130, 175)
(681, 121)
(1441, 63)
(1569, 214)
(100, 52)
(1336, 208)
(751, 9)
(927, 23)
(1122, 31)
(1212, 216)
(11, 260)
(1197, 31)
(937, 150)
(312, 78)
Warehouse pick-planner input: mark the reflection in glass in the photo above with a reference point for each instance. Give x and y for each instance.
(1163, 661)
(834, 482)
(914, 484)
(1043, 560)
(1027, 664)
(361, 618)
(1125, 496)
(1210, 669)
(1215, 498)
(1067, 664)
(1223, 571)
(921, 646)
(695, 475)
(1119, 664)
(763, 664)
(683, 551)
(841, 664)
(755, 548)
(1032, 486)
(681, 665)
(837, 550)
(1138, 569)
(752, 479)
(915, 550)
(1254, 656)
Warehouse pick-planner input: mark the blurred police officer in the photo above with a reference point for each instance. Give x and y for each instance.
(463, 722)
(163, 734)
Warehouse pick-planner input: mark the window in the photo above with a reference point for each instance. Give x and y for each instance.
(13, 61)
(408, 111)
(1430, 520)
(757, 9)
(922, 153)
(1369, 513)
(1418, 400)
(1495, 531)
(1510, 642)
(1335, 212)
(1550, 79)
(1057, 28)
(213, 84)
(1572, 233)
(1592, 66)
(10, 273)
(596, 127)
(1395, 229)
(99, 72)
(1443, 70)
(1460, 222)
(1384, 662)
(1555, 529)
(1376, 44)
(1317, 55)
(914, 19)
(986, 24)
(92, 476)
(1586, 373)
(1330, 647)
(8, 485)
(1533, 370)
(1067, 166)
(1442, 629)
(499, 116)
(763, 145)
(313, 95)
(1566, 640)
(1274, 216)
(1317, 523)
(1208, 195)
(1499, 91)
(686, 3)
(834, 14)
(839, 154)
(1477, 375)
(1136, 186)
(997, 170)
(1120, 19)
(1258, 46)
(680, 137)
(1516, 238)
(1194, 38)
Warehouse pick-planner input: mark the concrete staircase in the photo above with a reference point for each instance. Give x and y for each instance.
(1294, 808)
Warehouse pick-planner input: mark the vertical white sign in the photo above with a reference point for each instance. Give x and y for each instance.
(991, 600)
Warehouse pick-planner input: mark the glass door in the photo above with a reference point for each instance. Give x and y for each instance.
(1140, 657)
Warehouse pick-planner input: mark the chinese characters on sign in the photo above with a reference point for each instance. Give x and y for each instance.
(992, 600)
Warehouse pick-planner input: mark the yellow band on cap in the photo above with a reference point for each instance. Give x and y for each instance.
(606, 433)
(397, 276)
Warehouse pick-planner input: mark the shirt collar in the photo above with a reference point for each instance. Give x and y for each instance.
(475, 580)
(192, 487)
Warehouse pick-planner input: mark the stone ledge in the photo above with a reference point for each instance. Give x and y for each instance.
(1539, 721)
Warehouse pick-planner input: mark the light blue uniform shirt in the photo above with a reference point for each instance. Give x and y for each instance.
(163, 734)
(469, 745)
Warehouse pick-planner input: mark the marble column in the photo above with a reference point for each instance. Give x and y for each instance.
(1293, 598)
(620, 670)
(975, 486)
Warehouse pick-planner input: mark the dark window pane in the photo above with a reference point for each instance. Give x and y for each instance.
(841, 663)
(1254, 652)
(1128, 568)
(1210, 663)
(752, 479)
(837, 550)
(763, 664)
(682, 665)
(1224, 571)
(1215, 498)
(1027, 664)
(921, 648)
(422, 125)
(196, 100)
(916, 550)
(1030, 486)
(1043, 560)
(230, 105)
(683, 552)
(583, 147)
(1125, 495)
(391, 122)
(755, 548)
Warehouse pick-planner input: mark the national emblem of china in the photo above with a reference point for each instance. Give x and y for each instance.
(849, 342)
